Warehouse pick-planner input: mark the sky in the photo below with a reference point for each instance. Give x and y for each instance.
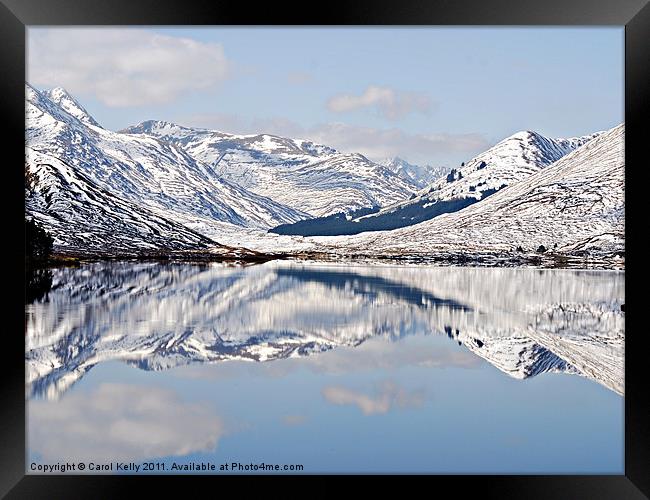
(431, 95)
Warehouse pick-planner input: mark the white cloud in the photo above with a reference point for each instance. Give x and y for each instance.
(375, 143)
(120, 422)
(390, 103)
(389, 395)
(381, 143)
(123, 67)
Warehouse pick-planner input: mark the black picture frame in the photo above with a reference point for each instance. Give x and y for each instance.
(15, 15)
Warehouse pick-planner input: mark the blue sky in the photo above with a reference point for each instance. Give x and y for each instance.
(429, 95)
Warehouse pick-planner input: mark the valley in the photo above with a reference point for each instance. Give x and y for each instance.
(158, 190)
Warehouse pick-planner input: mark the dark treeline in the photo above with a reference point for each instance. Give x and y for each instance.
(38, 249)
(406, 215)
(38, 243)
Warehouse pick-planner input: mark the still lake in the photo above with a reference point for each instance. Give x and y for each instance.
(337, 368)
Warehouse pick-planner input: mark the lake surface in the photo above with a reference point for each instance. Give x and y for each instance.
(333, 368)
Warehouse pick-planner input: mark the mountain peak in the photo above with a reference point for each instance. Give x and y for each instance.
(155, 127)
(70, 105)
(31, 93)
(525, 135)
(394, 162)
(59, 93)
(535, 137)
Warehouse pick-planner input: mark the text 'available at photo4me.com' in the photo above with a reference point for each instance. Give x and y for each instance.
(164, 467)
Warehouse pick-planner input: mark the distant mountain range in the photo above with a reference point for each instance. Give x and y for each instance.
(142, 170)
(511, 160)
(177, 177)
(418, 175)
(311, 179)
(161, 187)
(575, 206)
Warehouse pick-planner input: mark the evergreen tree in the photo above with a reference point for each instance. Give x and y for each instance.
(38, 244)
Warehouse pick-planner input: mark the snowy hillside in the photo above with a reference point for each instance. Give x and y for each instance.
(307, 177)
(511, 160)
(574, 207)
(81, 215)
(166, 187)
(508, 162)
(418, 175)
(69, 104)
(143, 170)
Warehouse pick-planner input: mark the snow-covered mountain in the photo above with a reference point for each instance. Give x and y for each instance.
(165, 187)
(68, 104)
(576, 206)
(508, 162)
(418, 175)
(310, 178)
(81, 215)
(523, 321)
(144, 171)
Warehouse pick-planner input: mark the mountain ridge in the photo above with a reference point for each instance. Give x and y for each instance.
(208, 183)
(509, 161)
(419, 175)
(142, 171)
(574, 206)
(310, 177)
(70, 105)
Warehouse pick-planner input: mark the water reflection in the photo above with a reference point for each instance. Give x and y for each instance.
(122, 422)
(388, 395)
(38, 282)
(158, 316)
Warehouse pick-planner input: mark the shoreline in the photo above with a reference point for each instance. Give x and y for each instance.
(248, 257)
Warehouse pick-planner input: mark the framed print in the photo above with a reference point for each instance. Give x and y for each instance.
(375, 240)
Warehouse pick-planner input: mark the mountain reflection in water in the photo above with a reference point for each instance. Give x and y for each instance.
(157, 316)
